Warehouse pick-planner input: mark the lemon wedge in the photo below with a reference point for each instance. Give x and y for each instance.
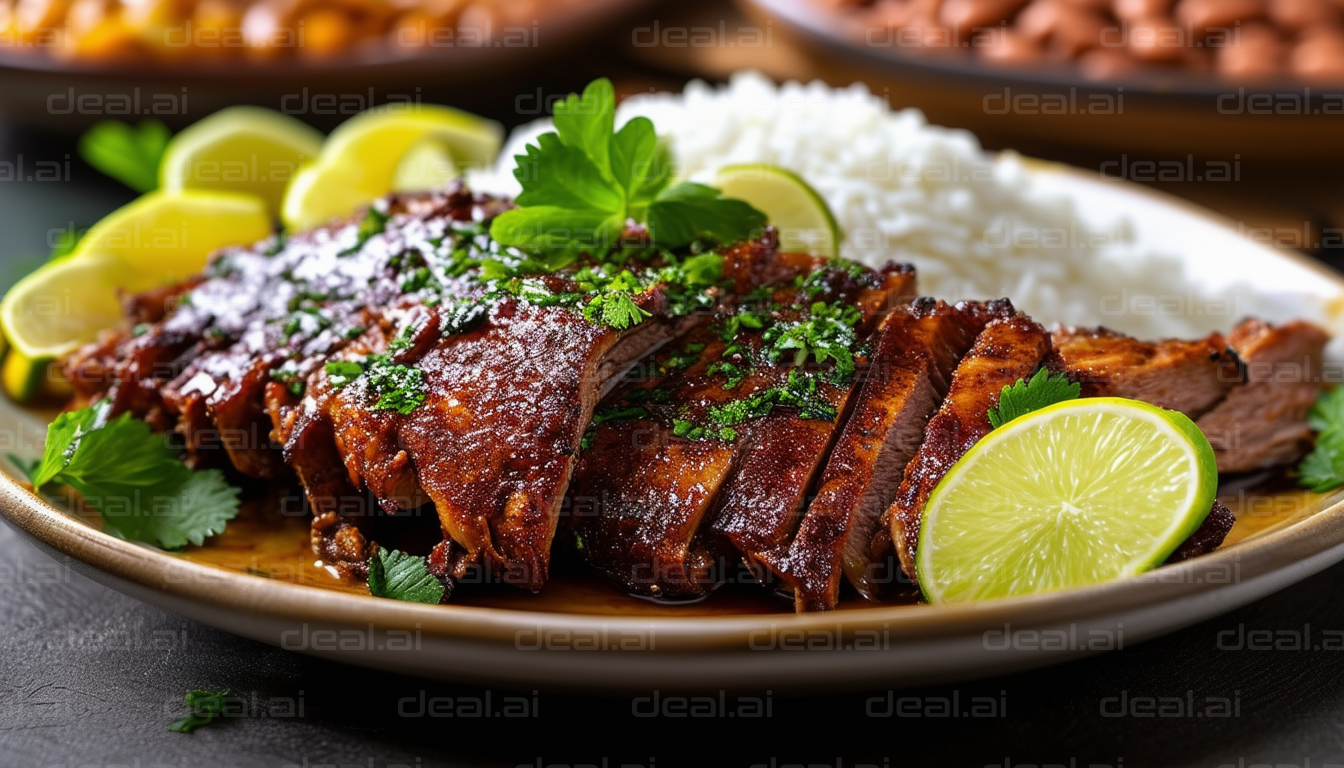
(240, 149)
(164, 237)
(60, 306)
(367, 156)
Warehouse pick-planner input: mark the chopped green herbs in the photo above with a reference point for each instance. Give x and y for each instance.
(290, 377)
(132, 476)
(1024, 397)
(584, 182)
(373, 224)
(396, 387)
(205, 706)
(399, 576)
(1323, 469)
(799, 392)
(615, 310)
(828, 334)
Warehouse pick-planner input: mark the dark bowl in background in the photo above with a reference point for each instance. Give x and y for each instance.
(40, 92)
(1039, 109)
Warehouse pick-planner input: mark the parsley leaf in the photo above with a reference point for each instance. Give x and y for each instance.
(133, 478)
(1024, 397)
(1323, 469)
(689, 212)
(583, 182)
(128, 154)
(205, 706)
(400, 576)
(615, 310)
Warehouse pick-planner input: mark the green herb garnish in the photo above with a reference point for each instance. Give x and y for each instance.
(134, 479)
(205, 706)
(397, 387)
(1023, 397)
(799, 392)
(128, 154)
(827, 334)
(399, 576)
(585, 181)
(1323, 469)
(373, 224)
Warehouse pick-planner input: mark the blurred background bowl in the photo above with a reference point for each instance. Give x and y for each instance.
(323, 78)
(1037, 109)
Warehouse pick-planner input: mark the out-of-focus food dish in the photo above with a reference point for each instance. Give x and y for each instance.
(227, 31)
(1239, 40)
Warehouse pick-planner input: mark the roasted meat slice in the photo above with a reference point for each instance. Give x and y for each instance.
(719, 418)
(1009, 348)
(760, 506)
(1187, 376)
(1208, 537)
(913, 359)
(1263, 421)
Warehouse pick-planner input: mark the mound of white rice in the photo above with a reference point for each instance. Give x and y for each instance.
(972, 222)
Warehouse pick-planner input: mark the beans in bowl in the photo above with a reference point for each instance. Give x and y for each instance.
(1239, 40)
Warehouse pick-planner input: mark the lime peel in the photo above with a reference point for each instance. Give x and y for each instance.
(799, 213)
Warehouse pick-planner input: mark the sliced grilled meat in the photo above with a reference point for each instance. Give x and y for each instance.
(760, 506)
(1009, 348)
(1263, 421)
(704, 430)
(1187, 376)
(912, 365)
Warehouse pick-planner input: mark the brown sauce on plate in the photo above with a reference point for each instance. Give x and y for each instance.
(265, 543)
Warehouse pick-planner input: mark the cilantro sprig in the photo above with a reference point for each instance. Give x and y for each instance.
(584, 182)
(1323, 469)
(399, 576)
(134, 479)
(1023, 397)
(205, 706)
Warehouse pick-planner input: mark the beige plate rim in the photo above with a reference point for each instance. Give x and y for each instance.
(1290, 543)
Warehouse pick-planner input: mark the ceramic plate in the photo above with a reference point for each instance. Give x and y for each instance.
(583, 635)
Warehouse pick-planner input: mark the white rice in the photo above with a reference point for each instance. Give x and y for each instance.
(974, 223)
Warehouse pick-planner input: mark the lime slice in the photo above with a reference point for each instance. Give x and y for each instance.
(64, 304)
(164, 237)
(361, 159)
(801, 216)
(1078, 493)
(427, 165)
(240, 149)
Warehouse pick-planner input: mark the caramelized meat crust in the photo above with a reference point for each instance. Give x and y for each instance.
(648, 488)
(915, 354)
(1008, 349)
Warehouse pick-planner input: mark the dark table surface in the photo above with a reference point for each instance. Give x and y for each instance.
(89, 677)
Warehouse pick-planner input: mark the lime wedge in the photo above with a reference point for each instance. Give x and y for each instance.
(164, 237)
(1078, 493)
(240, 149)
(801, 216)
(64, 304)
(361, 159)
